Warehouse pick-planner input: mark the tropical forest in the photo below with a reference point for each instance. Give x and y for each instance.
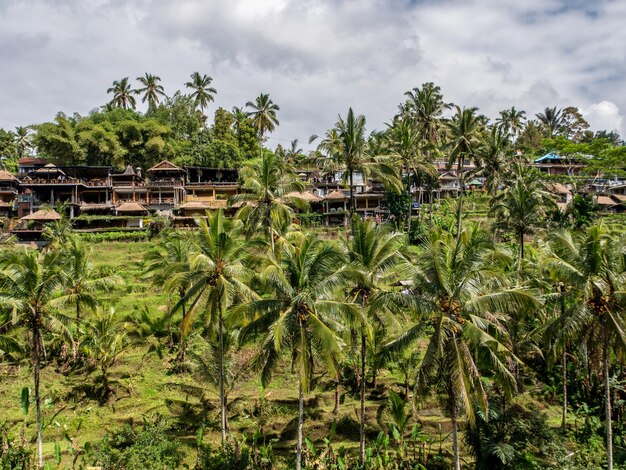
(472, 317)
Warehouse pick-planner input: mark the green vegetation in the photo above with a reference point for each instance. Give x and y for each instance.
(480, 332)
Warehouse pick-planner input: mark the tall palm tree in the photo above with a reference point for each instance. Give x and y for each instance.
(202, 90)
(592, 266)
(263, 113)
(375, 266)
(511, 121)
(151, 90)
(23, 140)
(216, 282)
(299, 314)
(460, 292)
(494, 155)
(163, 265)
(425, 106)
(265, 182)
(552, 121)
(84, 282)
(29, 280)
(123, 95)
(522, 205)
(465, 130)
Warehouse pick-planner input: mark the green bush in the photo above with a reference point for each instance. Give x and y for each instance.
(116, 236)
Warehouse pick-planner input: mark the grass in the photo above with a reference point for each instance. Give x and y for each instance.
(144, 387)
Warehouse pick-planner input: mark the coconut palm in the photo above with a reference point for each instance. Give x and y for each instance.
(151, 90)
(105, 341)
(203, 92)
(460, 292)
(522, 205)
(592, 266)
(163, 264)
(375, 266)
(23, 140)
(494, 154)
(216, 282)
(265, 182)
(123, 95)
(29, 280)
(84, 282)
(465, 130)
(511, 121)
(299, 314)
(263, 114)
(552, 121)
(425, 106)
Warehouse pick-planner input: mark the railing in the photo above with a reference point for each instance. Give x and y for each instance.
(165, 183)
(214, 183)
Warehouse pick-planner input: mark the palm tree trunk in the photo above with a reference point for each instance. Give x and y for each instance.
(221, 366)
(362, 393)
(520, 257)
(300, 424)
(455, 435)
(77, 311)
(607, 405)
(182, 346)
(336, 408)
(352, 208)
(564, 367)
(459, 216)
(36, 368)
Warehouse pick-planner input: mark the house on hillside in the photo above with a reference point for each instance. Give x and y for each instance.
(554, 164)
(165, 187)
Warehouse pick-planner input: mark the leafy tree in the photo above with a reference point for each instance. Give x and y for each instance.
(299, 315)
(263, 114)
(464, 130)
(151, 90)
(522, 205)
(216, 283)
(58, 140)
(591, 265)
(223, 126)
(202, 90)
(460, 292)
(574, 124)
(494, 154)
(122, 94)
(29, 280)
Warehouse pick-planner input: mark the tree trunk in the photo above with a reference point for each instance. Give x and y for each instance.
(352, 208)
(607, 405)
(459, 216)
(300, 424)
(521, 251)
(221, 366)
(563, 365)
(36, 368)
(455, 436)
(182, 346)
(336, 408)
(362, 393)
(77, 311)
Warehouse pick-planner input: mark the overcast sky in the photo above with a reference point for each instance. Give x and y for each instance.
(316, 58)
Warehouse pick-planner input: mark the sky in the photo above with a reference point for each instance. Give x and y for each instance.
(317, 58)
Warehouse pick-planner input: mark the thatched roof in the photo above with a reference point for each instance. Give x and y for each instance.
(49, 169)
(195, 205)
(131, 207)
(47, 215)
(94, 206)
(305, 196)
(337, 195)
(165, 165)
(6, 176)
(606, 201)
(558, 188)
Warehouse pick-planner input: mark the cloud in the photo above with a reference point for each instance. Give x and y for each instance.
(316, 57)
(603, 116)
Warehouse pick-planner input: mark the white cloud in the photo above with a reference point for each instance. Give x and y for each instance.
(604, 115)
(316, 57)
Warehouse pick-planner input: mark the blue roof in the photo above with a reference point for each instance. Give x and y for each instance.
(548, 157)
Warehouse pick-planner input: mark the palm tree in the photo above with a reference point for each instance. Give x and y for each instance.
(29, 280)
(263, 114)
(425, 106)
(84, 282)
(522, 205)
(202, 90)
(217, 282)
(494, 152)
(151, 90)
(592, 267)
(465, 130)
(511, 121)
(375, 265)
(23, 140)
(552, 120)
(122, 94)
(460, 292)
(163, 265)
(299, 315)
(265, 182)
(105, 340)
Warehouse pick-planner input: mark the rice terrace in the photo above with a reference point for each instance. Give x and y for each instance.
(195, 274)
